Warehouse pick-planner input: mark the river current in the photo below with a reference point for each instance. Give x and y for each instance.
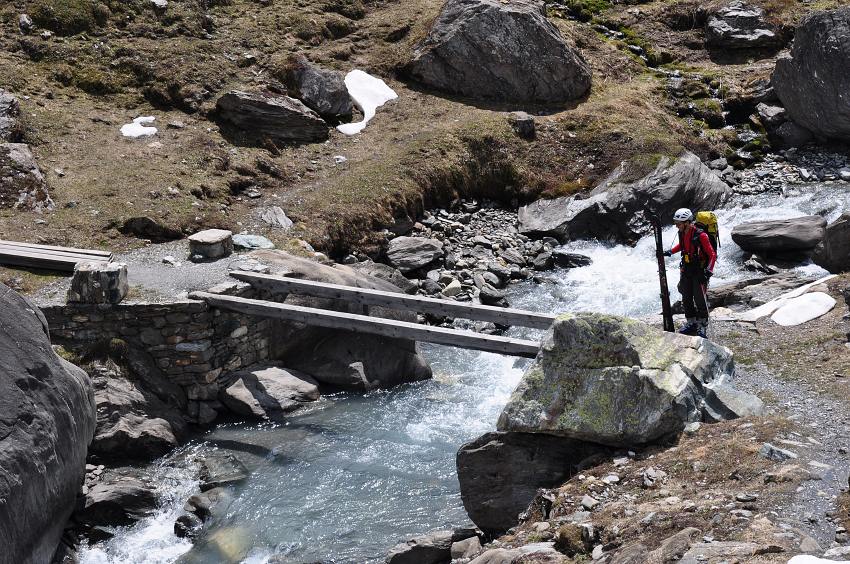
(354, 474)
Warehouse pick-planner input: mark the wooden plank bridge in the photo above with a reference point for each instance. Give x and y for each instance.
(281, 286)
(47, 257)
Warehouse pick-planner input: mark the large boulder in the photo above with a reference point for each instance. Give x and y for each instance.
(268, 391)
(812, 81)
(617, 209)
(499, 473)
(321, 90)
(47, 418)
(9, 112)
(413, 253)
(338, 357)
(780, 236)
(117, 502)
(505, 51)
(615, 381)
(253, 118)
(833, 253)
(740, 26)
(22, 185)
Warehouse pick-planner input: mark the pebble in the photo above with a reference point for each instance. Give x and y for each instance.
(589, 502)
(746, 497)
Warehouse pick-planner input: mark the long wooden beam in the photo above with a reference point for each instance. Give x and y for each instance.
(392, 300)
(43, 248)
(49, 261)
(373, 325)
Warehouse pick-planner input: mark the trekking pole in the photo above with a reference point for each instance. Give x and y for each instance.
(666, 309)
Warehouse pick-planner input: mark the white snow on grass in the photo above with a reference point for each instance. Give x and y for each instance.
(797, 311)
(369, 93)
(138, 127)
(160, 3)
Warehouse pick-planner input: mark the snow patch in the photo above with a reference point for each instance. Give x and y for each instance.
(369, 93)
(797, 311)
(160, 3)
(138, 128)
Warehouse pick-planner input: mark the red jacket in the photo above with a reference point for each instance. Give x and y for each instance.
(704, 254)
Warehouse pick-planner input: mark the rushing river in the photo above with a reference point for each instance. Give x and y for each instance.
(353, 475)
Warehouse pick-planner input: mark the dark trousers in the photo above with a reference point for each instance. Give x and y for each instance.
(693, 291)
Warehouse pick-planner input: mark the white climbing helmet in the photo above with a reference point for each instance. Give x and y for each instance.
(683, 214)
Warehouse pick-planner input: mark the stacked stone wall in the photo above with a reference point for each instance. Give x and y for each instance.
(192, 344)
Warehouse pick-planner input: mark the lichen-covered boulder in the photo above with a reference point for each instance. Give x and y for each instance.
(615, 381)
(22, 186)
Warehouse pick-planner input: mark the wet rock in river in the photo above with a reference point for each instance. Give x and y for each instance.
(268, 391)
(219, 470)
(117, 502)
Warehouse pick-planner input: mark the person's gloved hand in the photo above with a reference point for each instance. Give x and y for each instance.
(707, 273)
(667, 253)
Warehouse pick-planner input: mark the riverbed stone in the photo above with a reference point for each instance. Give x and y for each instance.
(506, 51)
(615, 381)
(412, 253)
(117, 502)
(218, 470)
(211, 244)
(99, 282)
(47, 418)
(267, 391)
(617, 208)
(776, 237)
(500, 473)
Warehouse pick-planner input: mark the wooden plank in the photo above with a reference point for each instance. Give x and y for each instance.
(364, 296)
(374, 325)
(51, 252)
(35, 247)
(49, 261)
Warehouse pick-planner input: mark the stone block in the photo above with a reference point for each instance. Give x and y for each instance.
(98, 283)
(211, 244)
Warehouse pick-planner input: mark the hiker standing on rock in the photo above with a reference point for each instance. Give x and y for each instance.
(697, 266)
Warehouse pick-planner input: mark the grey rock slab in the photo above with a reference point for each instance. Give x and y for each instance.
(118, 502)
(251, 242)
(500, 473)
(433, 548)
(411, 253)
(47, 418)
(99, 283)
(723, 402)
(740, 26)
(812, 80)
(211, 243)
(505, 51)
(617, 209)
(781, 235)
(321, 90)
(833, 253)
(387, 273)
(22, 185)
(638, 382)
(252, 117)
(467, 548)
(267, 391)
(275, 217)
(772, 452)
(219, 470)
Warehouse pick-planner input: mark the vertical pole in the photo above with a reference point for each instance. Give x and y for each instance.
(666, 309)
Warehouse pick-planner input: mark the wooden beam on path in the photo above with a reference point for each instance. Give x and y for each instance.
(373, 325)
(393, 300)
(47, 256)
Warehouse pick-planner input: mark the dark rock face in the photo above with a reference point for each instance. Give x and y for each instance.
(499, 473)
(740, 26)
(145, 227)
(337, 357)
(9, 112)
(617, 210)
(500, 51)
(813, 81)
(47, 418)
(21, 183)
(254, 117)
(321, 90)
(780, 236)
(834, 253)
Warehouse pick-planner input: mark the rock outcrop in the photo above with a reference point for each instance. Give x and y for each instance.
(252, 118)
(499, 473)
(781, 236)
(740, 26)
(812, 81)
(118, 502)
(47, 418)
(9, 112)
(615, 381)
(505, 51)
(408, 254)
(617, 209)
(833, 253)
(321, 90)
(22, 185)
(338, 357)
(268, 391)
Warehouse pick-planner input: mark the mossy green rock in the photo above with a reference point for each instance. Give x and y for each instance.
(614, 381)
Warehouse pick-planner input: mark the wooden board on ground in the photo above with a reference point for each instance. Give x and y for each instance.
(392, 300)
(49, 257)
(374, 325)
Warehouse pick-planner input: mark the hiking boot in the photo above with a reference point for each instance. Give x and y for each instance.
(690, 328)
(700, 332)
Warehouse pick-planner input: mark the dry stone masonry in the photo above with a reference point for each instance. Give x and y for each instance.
(98, 283)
